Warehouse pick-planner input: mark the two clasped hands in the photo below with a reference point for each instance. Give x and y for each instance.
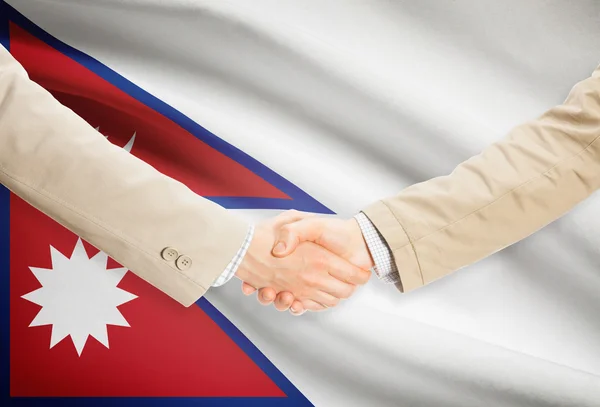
(513, 188)
(303, 262)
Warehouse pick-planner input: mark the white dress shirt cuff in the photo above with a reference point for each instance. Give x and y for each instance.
(236, 261)
(385, 267)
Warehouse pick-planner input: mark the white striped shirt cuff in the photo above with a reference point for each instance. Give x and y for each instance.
(385, 267)
(236, 261)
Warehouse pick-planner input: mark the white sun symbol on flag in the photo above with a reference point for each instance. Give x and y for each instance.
(79, 297)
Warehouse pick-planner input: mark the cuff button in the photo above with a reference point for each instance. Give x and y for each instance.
(183, 263)
(169, 253)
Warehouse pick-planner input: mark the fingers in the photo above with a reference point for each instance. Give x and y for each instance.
(247, 289)
(284, 301)
(345, 271)
(292, 234)
(298, 308)
(326, 299)
(290, 217)
(335, 287)
(313, 306)
(266, 295)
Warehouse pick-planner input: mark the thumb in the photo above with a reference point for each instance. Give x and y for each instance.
(292, 234)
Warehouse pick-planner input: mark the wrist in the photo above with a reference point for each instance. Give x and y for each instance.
(252, 269)
(242, 272)
(359, 243)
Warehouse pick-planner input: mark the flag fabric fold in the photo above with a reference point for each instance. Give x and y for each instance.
(318, 107)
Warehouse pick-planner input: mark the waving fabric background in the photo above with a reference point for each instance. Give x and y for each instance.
(352, 101)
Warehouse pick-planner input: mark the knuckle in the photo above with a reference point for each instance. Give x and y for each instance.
(356, 276)
(286, 299)
(310, 305)
(346, 293)
(364, 276)
(351, 275)
(333, 302)
(320, 262)
(289, 215)
(310, 279)
(319, 307)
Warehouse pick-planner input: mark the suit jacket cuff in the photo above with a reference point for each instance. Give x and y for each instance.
(399, 243)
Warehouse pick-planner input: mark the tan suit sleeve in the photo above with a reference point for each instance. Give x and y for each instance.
(54, 160)
(538, 172)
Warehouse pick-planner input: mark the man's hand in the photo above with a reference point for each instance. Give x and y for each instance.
(306, 272)
(341, 237)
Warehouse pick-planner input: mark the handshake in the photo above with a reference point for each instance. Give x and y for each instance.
(304, 262)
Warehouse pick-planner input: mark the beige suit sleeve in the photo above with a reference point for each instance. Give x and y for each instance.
(538, 172)
(54, 160)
